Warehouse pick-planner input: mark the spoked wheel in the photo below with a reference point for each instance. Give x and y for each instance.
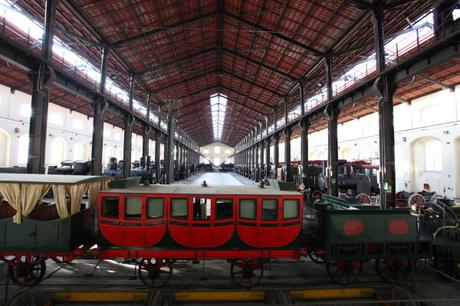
(315, 253)
(155, 273)
(393, 270)
(27, 271)
(344, 272)
(247, 273)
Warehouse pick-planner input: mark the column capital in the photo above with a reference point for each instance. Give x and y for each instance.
(332, 111)
(288, 131)
(305, 123)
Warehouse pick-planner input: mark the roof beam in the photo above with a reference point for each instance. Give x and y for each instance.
(244, 79)
(436, 82)
(157, 30)
(273, 69)
(276, 34)
(233, 91)
(174, 62)
(194, 77)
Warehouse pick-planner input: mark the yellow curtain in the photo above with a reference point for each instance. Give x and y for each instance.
(93, 189)
(105, 184)
(30, 195)
(61, 202)
(76, 193)
(11, 192)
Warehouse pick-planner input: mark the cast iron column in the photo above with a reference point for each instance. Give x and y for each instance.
(42, 80)
(304, 125)
(146, 137)
(267, 158)
(262, 165)
(129, 120)
(157, 148)
(287, 154)
(177, 160)
(385, 90)
(169, 161)
(332, 112)
(276, 155)
(98, 118)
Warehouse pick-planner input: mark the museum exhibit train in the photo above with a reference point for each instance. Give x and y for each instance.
(247, 225)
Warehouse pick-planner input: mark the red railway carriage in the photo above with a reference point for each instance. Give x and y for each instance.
(245, 224)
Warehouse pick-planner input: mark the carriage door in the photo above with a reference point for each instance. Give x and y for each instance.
(155, 221)
(269, 223)
(291, 220)
(179, 220)
(132, 225)
(202, 234)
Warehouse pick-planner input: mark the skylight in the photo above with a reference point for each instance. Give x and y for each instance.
(218, 106)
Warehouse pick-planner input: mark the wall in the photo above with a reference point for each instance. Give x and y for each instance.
(432, 117)
(69, 133)
(217, 153)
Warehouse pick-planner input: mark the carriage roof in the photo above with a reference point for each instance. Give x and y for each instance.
(206, 191)
(22, 178)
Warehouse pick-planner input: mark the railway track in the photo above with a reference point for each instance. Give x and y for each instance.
(113, 277)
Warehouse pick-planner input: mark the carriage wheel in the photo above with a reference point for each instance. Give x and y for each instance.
(317, 194)
(417, 202)
(155, 273)
(393, 270)
(344, 272)
(27, 271)
(315, 253)
(247, 273)
(363, 198)
(343, 196)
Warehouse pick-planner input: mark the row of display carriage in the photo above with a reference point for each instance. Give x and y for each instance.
(247, 225)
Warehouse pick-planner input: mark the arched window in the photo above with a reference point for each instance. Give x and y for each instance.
(81, 151)
(5, 140)
(433, 156)
(58, 151)
(23, 149)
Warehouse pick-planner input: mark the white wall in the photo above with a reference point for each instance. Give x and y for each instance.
(217, 153)
(71, 129)
(434, 116)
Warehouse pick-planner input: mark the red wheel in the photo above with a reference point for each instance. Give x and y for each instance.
(317, 194)
(247, 273)
(393, 270)
(344, 272)
(416, 202)
(155, 273)
(315, 253)
(363, 198)
(27, 271)
(343, 196)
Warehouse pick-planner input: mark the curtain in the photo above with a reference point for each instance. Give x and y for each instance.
(11, 192)
(93, 189)
(61, 201)
(30, 195)
(23, 197)
(76, 193)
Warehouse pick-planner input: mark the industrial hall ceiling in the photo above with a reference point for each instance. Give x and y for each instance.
(253, 52)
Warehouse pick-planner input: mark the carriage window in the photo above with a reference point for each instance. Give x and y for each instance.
(201, 209)
(179, 208)
(133, 208)
(155, 208)
(291, 209)
(110, 208)
(248, 209)
(269, 210)
(224, 209)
